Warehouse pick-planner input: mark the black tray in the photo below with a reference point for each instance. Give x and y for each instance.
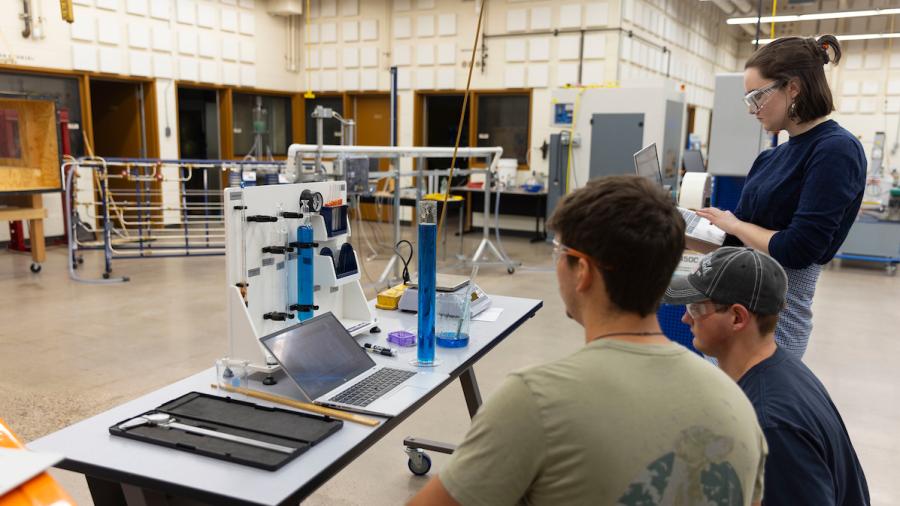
(240, 418)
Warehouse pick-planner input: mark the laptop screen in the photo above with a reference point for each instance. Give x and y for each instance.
(693, 161)
(319, 354)
(646, 164)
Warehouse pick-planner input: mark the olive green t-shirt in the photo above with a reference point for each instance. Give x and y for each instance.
(614, 423)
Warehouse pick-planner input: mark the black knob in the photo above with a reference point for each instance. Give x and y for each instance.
(261, 218)
(277, 316)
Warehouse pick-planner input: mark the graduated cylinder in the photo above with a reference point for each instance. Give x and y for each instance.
(427, 245)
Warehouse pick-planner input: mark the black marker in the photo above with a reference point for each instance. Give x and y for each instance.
(381, 350)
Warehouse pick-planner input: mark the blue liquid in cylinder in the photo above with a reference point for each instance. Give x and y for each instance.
(427, 282)
(305, 271)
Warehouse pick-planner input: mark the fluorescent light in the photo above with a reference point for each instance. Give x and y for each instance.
(790, 18)
(864, 36)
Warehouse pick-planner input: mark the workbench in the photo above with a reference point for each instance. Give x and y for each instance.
(123, 471)
(28, 208)
(513, 201)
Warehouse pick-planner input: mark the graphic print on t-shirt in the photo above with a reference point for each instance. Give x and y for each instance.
(695, 473)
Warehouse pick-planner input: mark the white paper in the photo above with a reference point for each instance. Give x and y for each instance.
(701, 229)
(19, 466)
(488, 315)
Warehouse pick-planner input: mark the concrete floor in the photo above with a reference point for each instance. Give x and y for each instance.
(72, 350)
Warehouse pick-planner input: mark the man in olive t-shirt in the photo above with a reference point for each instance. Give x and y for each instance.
(631, 418)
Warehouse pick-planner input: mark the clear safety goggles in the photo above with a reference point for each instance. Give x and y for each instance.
(757, 99)
(698, 310)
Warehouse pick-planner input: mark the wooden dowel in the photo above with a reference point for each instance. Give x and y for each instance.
(315, 408)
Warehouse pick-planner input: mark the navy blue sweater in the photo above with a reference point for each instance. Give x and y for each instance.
(808, 190)
(811, 459)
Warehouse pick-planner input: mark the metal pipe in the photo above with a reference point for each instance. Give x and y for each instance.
(390, 152)
(320, 136)
(726, 6)
(742, 5)
(486, 226)
(26, 18)
(394, 106)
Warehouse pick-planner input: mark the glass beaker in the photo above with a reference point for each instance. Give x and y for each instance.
(453, 319)
(232, 373)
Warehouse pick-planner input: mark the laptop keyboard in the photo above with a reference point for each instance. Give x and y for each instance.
(373, 387)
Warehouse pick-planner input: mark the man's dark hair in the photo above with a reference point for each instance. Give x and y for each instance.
(632, 230)
(800, 59)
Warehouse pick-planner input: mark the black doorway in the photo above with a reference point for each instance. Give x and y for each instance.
(198, 139)
(441, 126)
(198, 124)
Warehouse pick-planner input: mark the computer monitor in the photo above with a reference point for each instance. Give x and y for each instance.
(693, 161)
(646, 164)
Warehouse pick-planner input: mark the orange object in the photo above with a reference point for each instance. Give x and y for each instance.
(334, 203)
(42, 490)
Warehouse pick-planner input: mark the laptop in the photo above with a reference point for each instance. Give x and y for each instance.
(332, 369)
(646, 164)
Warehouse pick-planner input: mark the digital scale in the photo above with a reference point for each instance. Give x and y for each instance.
(446, 285)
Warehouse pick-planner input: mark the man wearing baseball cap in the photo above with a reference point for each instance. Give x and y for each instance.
(733, 301)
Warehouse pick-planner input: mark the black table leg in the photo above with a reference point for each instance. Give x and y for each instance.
(105, 492)
(470, 390)
(538, 235)
(473, 402)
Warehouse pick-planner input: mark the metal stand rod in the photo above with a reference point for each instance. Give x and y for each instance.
(486, 232)
(392, 269)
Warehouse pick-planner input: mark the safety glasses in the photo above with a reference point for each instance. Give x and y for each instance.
(757, 99)
(698, 310)
(560, 249)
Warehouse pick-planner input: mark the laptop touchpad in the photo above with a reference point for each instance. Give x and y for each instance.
(408, 393)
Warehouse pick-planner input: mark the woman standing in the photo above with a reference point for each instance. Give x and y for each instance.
(800, 198)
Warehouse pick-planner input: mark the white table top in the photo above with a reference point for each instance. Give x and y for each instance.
(90, 449)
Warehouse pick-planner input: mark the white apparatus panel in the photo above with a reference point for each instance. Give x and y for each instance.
(270, 279)
(736, 136)
(662, 105)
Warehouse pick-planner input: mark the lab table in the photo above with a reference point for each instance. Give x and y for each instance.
(513, 201)
(124, 471)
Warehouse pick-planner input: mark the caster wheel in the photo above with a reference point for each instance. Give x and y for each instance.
(80, 260)
(419, 462)
(105, 275)
(510, 270)
(35, 268)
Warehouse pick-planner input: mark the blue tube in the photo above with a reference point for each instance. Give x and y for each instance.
(427, 281)
(305, 271)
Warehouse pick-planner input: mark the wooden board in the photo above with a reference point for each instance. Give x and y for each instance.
(36, 164)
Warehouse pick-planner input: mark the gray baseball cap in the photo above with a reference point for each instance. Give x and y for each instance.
(733, 276)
